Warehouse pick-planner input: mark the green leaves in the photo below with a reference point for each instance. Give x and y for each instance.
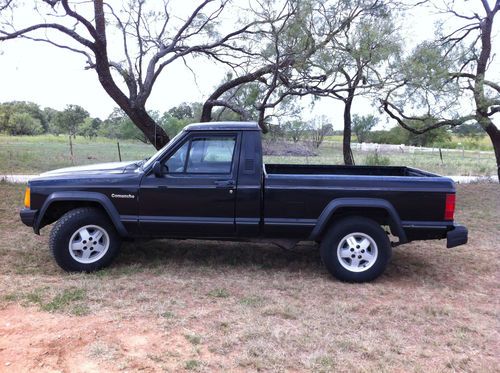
(70, 119)
(22, 118)
(362, 125)
(23, 124)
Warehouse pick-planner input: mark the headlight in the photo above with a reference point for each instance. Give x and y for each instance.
(27, 198)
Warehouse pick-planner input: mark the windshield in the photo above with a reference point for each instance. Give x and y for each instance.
(151, 160)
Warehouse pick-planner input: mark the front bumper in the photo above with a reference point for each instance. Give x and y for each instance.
(456, 236)
(28, 216)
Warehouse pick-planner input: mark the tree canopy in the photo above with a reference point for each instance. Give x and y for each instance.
(445, 82)
(274, 54)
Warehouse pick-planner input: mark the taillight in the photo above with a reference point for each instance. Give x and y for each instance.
(449, 208)
(27, 198)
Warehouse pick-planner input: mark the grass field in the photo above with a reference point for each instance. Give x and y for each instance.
(35, 154)
(212, 306)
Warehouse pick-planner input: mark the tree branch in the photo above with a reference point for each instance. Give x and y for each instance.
(402, 119)
(54, 26)
(491, 84)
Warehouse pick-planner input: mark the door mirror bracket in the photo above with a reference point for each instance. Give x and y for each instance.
(158, 169)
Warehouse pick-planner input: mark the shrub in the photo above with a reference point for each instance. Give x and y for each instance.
(377, 160)
(23, 124)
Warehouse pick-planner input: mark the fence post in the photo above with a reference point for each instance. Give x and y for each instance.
(119, 152)
(441, 155)
(71, 150)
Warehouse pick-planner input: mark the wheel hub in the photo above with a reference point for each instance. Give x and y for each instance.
(88, 244)
(357, 252)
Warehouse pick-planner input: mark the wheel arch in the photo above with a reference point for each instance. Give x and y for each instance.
(380, 210)
(58, 203)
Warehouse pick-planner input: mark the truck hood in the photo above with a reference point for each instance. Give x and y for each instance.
(96, 169)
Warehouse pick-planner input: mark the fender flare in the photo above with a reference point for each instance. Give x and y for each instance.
(333, 206)
(100, 198)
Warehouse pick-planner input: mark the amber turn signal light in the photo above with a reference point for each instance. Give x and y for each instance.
(27, 198)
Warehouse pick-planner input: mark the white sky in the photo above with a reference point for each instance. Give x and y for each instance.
(53, 77)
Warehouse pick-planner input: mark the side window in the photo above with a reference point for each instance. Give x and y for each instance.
(213, 155)
(175, 164)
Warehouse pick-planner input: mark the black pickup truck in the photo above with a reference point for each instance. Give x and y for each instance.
(210, 182)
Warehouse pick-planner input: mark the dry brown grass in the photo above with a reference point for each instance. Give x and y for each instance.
(210, 306)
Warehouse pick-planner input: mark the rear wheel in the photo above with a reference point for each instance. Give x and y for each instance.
(84, 240)
(356, 249)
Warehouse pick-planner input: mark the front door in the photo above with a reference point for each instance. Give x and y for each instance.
(195, 197)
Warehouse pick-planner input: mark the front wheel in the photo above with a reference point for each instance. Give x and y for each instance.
(356, 249)
(84, 240)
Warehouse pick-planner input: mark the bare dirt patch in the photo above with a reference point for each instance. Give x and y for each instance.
(211, 306)
(33, 340)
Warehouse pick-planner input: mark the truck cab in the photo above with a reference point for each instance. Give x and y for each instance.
(207, 184)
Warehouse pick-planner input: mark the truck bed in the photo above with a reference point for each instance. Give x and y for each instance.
(296, 195)
(299, 169)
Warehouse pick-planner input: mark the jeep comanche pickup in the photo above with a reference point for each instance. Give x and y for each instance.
(210, 182)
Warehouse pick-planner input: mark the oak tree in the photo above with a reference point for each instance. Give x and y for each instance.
(128, 44)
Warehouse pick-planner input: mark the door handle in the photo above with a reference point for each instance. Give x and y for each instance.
(226, 184)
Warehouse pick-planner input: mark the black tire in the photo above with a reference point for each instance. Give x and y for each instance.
(67, 226)
(341, 229)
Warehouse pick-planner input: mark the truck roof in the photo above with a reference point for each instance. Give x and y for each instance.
(223, 126)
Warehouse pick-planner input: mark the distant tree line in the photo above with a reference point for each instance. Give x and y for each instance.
(27, 118)
(317, 130)
(19, 118)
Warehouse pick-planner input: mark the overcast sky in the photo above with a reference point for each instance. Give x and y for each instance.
(53, 77)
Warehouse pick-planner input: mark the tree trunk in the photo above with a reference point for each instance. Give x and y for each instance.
(346, 143)
(494, 134)
(153, 132)
(137, 113)
(482, 116)
(206, 113)
(135, 109)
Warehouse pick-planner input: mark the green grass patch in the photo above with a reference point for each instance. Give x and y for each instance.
(11, 297)
(35, 297)
(192, 364)
(253, 301)
(167, 315)
(80, 310)
(219, 293)
(194, 339)
(62, 300)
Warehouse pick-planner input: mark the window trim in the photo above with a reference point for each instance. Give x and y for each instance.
(166, 159)
(202, 135)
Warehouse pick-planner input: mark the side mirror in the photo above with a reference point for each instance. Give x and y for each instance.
(158, 169)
